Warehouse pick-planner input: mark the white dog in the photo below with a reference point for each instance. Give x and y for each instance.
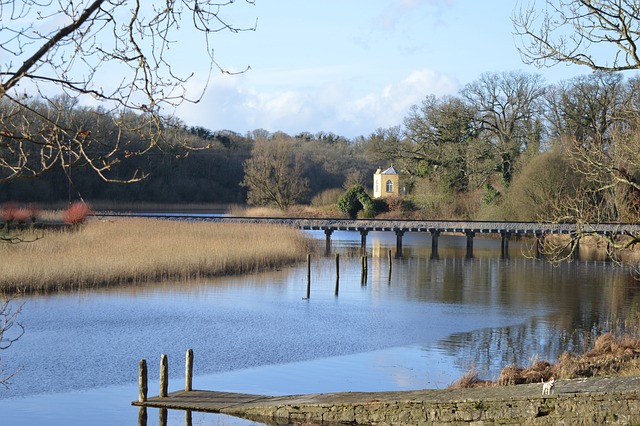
(547, 387)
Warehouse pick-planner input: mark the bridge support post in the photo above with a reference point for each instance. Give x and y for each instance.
(434, 244)
(504, 246)
(363, 240)
(327, 233)
(399, 234)
(470, 235)
(575, 247)
(539, 244)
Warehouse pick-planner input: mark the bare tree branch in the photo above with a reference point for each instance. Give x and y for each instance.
(125, 58)
(11, 329)
(600, 34)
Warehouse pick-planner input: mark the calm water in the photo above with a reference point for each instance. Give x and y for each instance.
(423, 327)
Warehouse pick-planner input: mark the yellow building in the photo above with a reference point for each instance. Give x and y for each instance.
(387, 183)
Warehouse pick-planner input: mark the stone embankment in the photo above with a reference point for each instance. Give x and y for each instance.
(594, 401)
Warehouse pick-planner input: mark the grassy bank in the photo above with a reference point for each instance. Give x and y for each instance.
(610, 356)
(111, 252)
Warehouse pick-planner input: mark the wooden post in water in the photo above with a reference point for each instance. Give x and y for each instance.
(337, 273)
(188, 378)
(143, 386)
(188, 418)
(164, 376)
(364, 269)
(162, 417)
(390, 265)
(308, 276)
(142, 416)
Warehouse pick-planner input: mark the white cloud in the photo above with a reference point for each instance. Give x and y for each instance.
(398, 9)
(331, 107)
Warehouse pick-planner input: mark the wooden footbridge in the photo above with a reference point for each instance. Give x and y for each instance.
(433, 227)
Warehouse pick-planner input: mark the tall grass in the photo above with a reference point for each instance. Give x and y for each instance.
(111, 252)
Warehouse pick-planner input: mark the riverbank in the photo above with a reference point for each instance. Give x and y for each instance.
(577, 402)
(104, 253)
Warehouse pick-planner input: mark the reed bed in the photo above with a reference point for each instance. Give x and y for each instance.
(104, 253)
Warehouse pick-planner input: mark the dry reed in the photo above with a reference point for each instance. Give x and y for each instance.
(110, 252)
(610, 356)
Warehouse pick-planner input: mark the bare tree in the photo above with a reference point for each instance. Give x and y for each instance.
(10, 331)
(120, 57)
(273, 174)
(600, 34)
(506, 105)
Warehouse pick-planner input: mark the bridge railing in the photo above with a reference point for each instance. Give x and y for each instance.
(533, 228)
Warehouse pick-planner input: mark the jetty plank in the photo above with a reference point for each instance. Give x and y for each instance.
(201, 400)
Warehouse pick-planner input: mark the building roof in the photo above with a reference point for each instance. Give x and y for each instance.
(391, 171)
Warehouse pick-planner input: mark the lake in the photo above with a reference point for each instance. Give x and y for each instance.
(421, 326)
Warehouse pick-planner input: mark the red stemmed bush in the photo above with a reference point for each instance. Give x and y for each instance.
(22, 215)
(8, 212)
(76, 213)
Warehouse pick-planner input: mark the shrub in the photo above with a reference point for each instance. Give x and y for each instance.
(76, 213)
(8, 212)
(349, 203)
(22, 215)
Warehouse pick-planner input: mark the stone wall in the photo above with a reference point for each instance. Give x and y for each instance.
(612, 401)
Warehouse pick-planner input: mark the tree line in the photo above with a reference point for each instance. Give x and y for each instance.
(506, 146)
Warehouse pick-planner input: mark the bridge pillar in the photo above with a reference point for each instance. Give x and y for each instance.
(504, 246)
(399, 234)
(470, 235)
(539, 244)
(575, 247)
(434, 244)
(363, 239)
(327, 233)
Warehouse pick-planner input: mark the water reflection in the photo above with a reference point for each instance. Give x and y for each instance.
(416, 324)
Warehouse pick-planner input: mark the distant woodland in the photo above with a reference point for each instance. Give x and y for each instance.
(507, 146)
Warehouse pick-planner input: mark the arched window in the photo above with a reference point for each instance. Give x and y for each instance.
(389, 186)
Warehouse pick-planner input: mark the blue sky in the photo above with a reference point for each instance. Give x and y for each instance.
(350, 67)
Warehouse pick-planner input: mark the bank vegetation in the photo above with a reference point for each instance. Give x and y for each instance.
(610, 355)
(103, 253)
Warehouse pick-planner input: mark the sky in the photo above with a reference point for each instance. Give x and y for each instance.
(351, 67)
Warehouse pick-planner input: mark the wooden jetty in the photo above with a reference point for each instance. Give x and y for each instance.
(609, 400)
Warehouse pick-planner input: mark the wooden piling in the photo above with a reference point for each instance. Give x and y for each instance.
(364, 269)
(308, 276)
(390, 264)
(188, 380)
(162, 417)
(164, 376)
(337, 274)
(143, 385)
(142, 416)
